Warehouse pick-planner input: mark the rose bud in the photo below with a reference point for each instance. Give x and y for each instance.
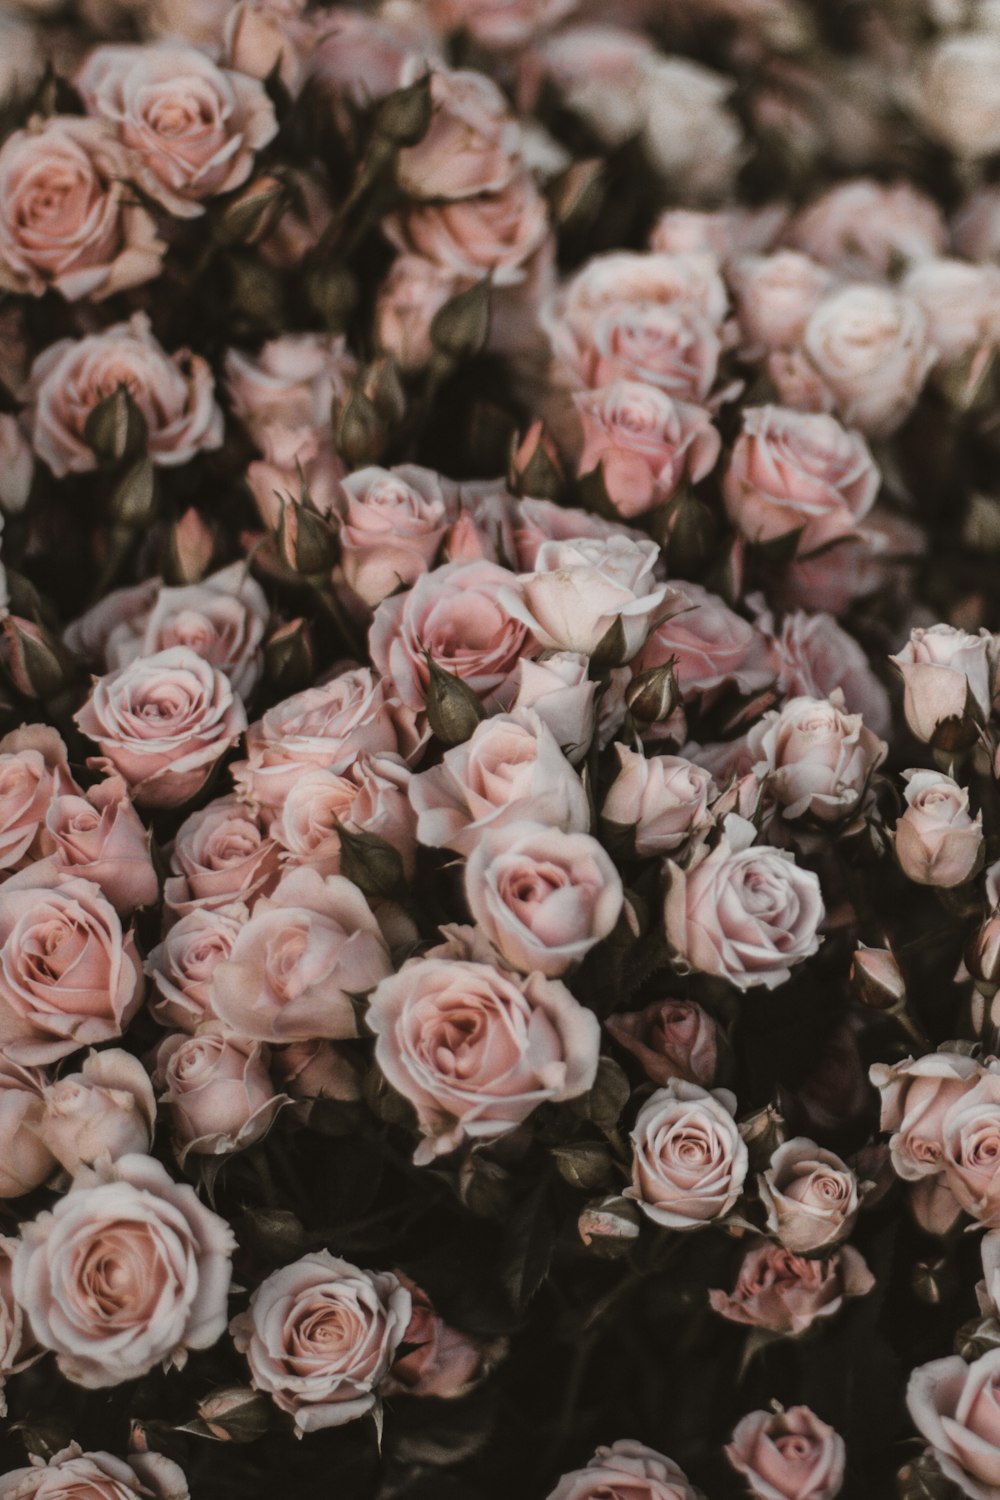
(25, 1160)
(810, 1195)
(37, 662)
(235, 1414)
(671, 1039)
(688, 1159)
(946, 684)
(439, 1361)
(609, 1226)
(877, 979)
(660, 799)
(101, 837)
(629, 1469)
(937, 840)
(411, 295)
(788, 1455)
(216, 1091)
(786, 1294)
(652, 696)
(535, 466)
(105, 1111)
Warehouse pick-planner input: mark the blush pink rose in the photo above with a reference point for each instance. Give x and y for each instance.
(536, 521)
(644, 444)
(946, 672)
(471, 145)
(162, 723)
(192, 128)
(458, 615)
(68, 219)
(100, 837)
(72, 1474)
(660, 798)
(262, 36)
(742, 913)
(970, 1132)
(815, 759)
(220, 854)
(956, 1407)
(283, 395)
(90, 984)
(414, 290)
(174, 392)
(121, 615)
(690, 134)
(34, 772)
(788, 1455)
(494, 234)
(320, 1336)
(961, 303)
(392, 524)
(867, 228)
(670, 1039)
(501, 25)
(560, 691)
(369, 798)
(475, 1051)
(712, 647)
(511, 769)
(915, 1097)
(938, 841)
(786, 1294)
(439, 1361)
(25, 1161)
(815, 657)
(18, 1347)
(810, 1196)
(958, 100)
(689, 1161)
(294, 967)
(798, 472)
(542, 897)
(626, 1469)
(364, 55)
(775, 296)
(103, 1112)
(181, 966)
(215, 1090)
(127, 1271)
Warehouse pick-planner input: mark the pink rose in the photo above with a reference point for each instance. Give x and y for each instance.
(320, 1336)
(970, 1132)
(493, 234)
(541, 896)
(958, 99)
(742, 913)
(294, 967)
(961, 303)
(392, 525)
(475, 1051)
(916, 1096)
(501, 25)
(671, 1039)
(192, 128)
(18, 1348)
(370, 797)
(364, 55)
(215, 1090)
(472, 143)
(181, 966)
(810, 1196)
(126, 1271)
(264, 35)
(798, 472)
(661, 798)
(90, 984)
(174, 392)
(599, 70)
(25, 1161)
(284, 394)
(440, 1361)
(163, 722)
(712, 647)
(814, 759)
(946, 672)
(688, 1158)
(222, 619)
(17, 466)
(316, 1070)
(956, 1407)
(220, 854)
(72, 1474)
(690, 134)
(644, 443)
(815, 657)
(869, 346)
(100, 1114)
(866, 228)
(536, 521)
(938, 841)
(788, 1455)
(68, 218)
(457, 614)
(510, 770)
(776, 295)
(625, 1469)
(560, 691)
(722, 232)
(414, 290)
(121, 615)
(786, 1294)
(34, 772)
(100, 837)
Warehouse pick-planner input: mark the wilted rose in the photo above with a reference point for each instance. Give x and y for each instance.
(784, 1293)
(671, 1039)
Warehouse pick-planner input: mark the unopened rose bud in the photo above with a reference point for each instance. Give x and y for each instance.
(235, 1414)
(289, 658)
(977, 1337)
(932, 1281)
(653, 695)
(37, 662)
(604, 1103)
(453, 710)
(384, 390)
(587, 1165)
(982, 956)
(485, 1187)
(535, 466)
(192, 543)
(403, 116)
(43, 1438)
(372, 864)
(332, 291)
(876, 977)
(306, 539)
(763, 1132)
(610, 1226)
(253, 213)
(688, 533)
(923, 1480)
(576, 196)
(612, 650)
(134, 502)
(460, 328)
(115, 429)
(359, 433)
(275, 1233)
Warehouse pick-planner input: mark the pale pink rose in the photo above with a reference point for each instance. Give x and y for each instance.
(475, 1051)
(96, 1476)
(816, 656)
(17, 466)
(797, 382)
(320, 1336)
(798, 472)
(788, 1455)
(472, 143)
(690, 134)
(916, 1095)
(775, 296)
(671, 1039)
(25, 1161)
(956, 1407)
(324, 728)
(867, 228)
(538, 521)
(971, 1135)
(660, 798)
(975, 228)
(541, 896)
(712, 647)
(414, 290)
(262, 36)
(369, 798)
(438, 1360)
(365, 56)
(174, 392)
(163, 722)
(744, 914)
(68, 219)
(392, 524)
(501, 25)
(315, 472)
(946, 672)
(582, 592)
(600, 72)
(484, 529)
(294, 967)
(786, 1294)
(18, 1348)
(127, 1271)
(316, 1070)
(961, 303)
(215, 1090)
(220, 854)
(958, 95)
(511, 769)
(181, 966)
(628, 278)
(192, 128)
(629, 1469)
(869, 346)
(34, 772)
(938, 841)
(100, 837)
(689, 1161)
(559, 690)
(90, 984)
(988, 1290)
(815, 759)
(723, 232)
(457, 614)
(121, 613)
(104, 1112)
(493, 234)
(644, 443)
(284, 394)
(810, 1196)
